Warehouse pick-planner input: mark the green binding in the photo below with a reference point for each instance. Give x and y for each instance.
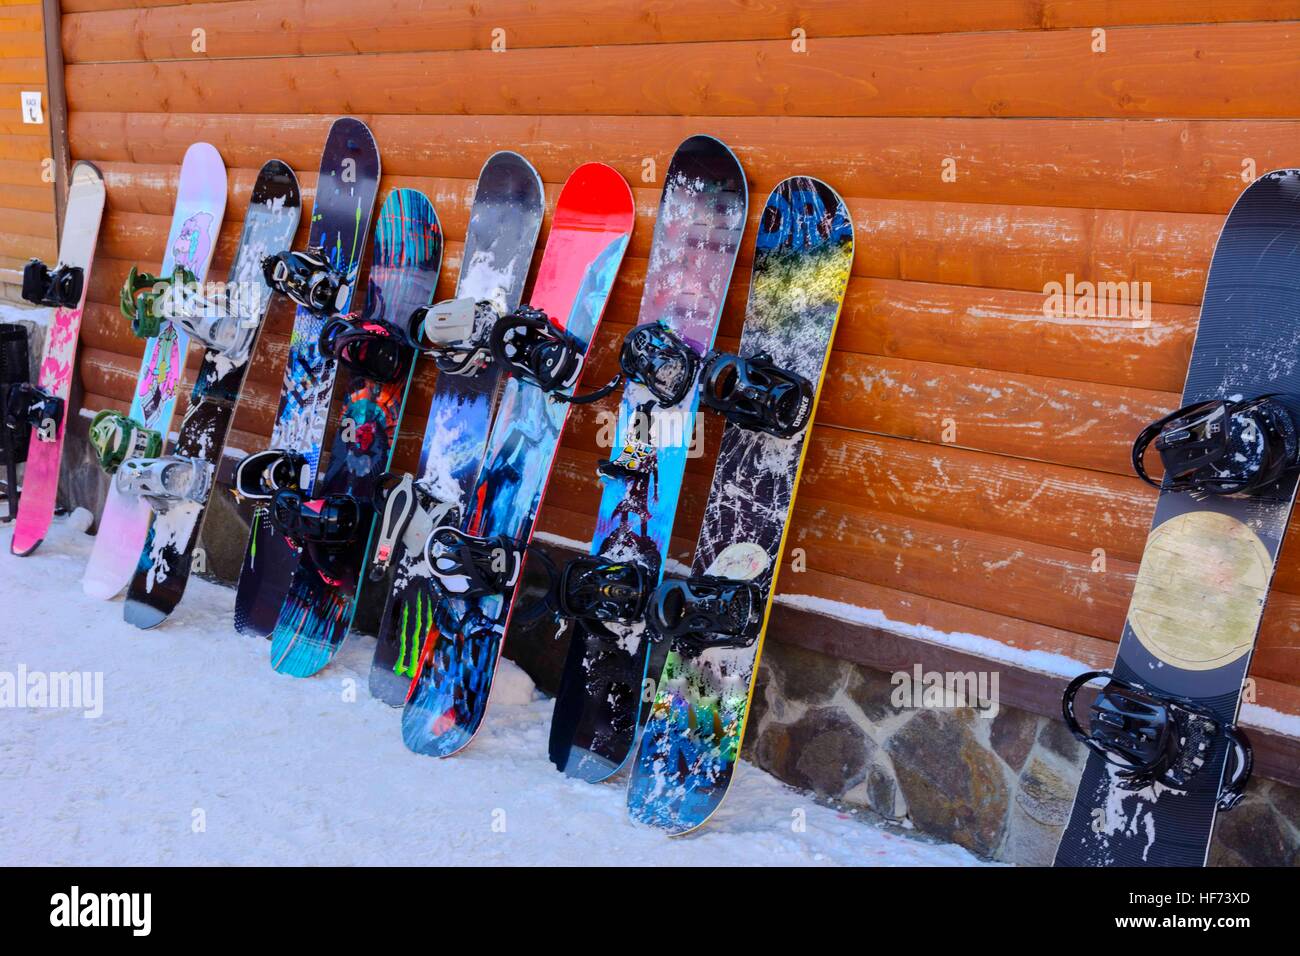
(139, 299)
(115, 438)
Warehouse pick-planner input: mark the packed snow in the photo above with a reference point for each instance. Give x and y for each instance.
(201, 754)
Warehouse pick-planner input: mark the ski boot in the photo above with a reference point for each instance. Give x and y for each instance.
(527, 345)
(371, 349)
(116, 438)
(597, 593)
(455, 333)
(60, 288)
(705, 611)
(146, 301)
(1155, 738)
(164, 482)
(1222, 447)
(28, 404)
(756, 395)
(308, 279)
(656, 357)
(260, 475)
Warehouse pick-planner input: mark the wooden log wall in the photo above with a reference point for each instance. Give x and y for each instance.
(27, 226)
(969, 469)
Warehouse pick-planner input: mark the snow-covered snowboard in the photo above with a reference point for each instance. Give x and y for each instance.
(378, 362)
(1165, 753)
(697, 235)
(229, 322)
(480, 565)
(65, 288)
(340, 222)
(503, 226)
(716, 619)
(124, 523)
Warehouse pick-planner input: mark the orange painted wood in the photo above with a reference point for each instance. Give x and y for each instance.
(1179, 166)
(1228, 70)
(269, 28)
(16, 172)
(27, 198)
(1009, 247)
(1019, 415)
(26, 149)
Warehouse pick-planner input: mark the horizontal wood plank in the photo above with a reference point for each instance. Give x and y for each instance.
(1176, 166)
(1231, 70)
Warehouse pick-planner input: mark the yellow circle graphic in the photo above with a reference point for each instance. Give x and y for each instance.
(1200, 590)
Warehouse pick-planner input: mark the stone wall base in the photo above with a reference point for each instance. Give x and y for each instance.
(1001, 786)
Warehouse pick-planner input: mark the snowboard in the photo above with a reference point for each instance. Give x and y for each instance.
(404, 265)
(697, 235)
(590, 228)
(81, 219)
(124, 523)
(684, 763)
(1206, 569)
(169, 550)
(340, 221)
(503, 226)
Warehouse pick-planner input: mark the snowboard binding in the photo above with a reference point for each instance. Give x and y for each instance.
(1155, 738)
(705, 611)
(329, 524)
(527, 344)
(598, 592)
(655, 356)
(27, 404)
(58, 288)
(260, 475)
(1222, 447)
(146, 301)
(164, 482)
(456, 334)
(372, 349)
(308, 279)
(470, 567)
(755, 394)
(634, 462)
(115, 438)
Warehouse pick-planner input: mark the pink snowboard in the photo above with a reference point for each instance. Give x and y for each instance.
(41, 478)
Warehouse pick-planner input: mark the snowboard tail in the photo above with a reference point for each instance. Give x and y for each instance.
(1205, 572)
(692, 739)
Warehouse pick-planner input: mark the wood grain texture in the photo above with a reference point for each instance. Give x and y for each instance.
(970, 461)
(1243, 70)
(1171, 165)
(149, 31)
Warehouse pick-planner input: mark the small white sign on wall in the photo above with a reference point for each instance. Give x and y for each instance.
(32, 107)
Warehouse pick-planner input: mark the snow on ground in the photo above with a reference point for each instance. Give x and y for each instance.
(204, 755)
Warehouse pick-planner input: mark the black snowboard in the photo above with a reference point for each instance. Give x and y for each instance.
(169, 551)
(1206, 569)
